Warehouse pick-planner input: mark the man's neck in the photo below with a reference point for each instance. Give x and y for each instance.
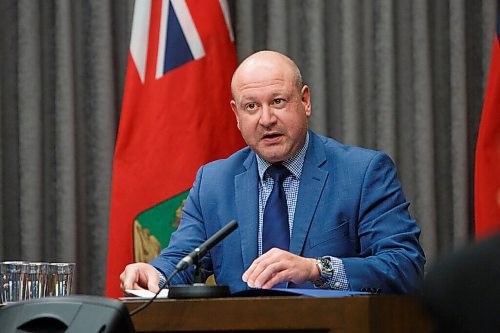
(294, 164)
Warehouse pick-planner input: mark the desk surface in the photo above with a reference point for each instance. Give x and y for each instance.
(292, 313)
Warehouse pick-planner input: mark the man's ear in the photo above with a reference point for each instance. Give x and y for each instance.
(306, 99)
(235, 111)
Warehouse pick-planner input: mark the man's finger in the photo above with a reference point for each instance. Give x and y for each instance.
(251, 269)
(256, 270)
(261, 263)
(275, 279)
(153, 282)
(137, 286)
(271, 271)
(130, 281)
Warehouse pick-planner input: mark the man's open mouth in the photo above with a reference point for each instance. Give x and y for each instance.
(271, 136)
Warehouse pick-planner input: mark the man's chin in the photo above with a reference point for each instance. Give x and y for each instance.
(272, 157)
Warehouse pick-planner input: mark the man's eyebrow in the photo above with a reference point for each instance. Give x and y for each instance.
(247, 99)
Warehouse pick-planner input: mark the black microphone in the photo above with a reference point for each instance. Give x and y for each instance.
(196, 254)
(201, 250)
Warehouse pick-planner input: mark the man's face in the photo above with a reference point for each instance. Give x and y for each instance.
(271, 111)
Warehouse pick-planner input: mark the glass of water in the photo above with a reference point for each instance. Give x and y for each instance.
(13, 276)
(61, 278)
(36, 280)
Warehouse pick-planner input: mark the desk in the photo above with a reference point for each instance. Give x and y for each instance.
(289, 314)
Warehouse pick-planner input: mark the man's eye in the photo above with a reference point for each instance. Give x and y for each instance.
(278, 101)
(251, 106)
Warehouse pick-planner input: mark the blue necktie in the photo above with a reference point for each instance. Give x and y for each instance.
(276, 232)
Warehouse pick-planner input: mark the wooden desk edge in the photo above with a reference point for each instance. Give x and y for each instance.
(346, 314)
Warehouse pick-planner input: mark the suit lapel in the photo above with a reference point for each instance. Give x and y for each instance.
(246, 192)
(312, 183)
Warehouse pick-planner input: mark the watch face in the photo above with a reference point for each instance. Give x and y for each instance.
(326, 266)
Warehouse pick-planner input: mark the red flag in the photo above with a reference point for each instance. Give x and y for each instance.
(487, 171)
(175, 117)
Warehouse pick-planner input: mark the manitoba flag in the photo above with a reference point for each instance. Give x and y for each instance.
(175, 117)
(487, 170)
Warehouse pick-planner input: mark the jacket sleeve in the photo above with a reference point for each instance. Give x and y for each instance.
(391, 259)
(190, 234)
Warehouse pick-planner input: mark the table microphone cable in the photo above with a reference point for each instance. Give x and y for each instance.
(163, 286)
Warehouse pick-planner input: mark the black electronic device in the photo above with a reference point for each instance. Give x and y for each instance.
(69, 314)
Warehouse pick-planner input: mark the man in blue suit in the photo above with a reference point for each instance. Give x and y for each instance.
(347, 225)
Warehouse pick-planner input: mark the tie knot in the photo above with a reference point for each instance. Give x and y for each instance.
(278, 172)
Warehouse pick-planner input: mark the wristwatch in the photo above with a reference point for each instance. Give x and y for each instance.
(325, 267)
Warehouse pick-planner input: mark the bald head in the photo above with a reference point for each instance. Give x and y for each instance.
(265, 61)
(271, 105)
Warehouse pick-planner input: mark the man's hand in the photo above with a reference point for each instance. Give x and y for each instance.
(277, 266)
(140, 276)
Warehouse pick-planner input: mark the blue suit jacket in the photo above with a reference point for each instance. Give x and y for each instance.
(350, 205)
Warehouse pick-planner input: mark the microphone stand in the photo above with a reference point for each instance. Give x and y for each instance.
(197, 273)
(198, 289)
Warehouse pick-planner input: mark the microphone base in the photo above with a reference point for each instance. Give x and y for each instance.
(198, 291)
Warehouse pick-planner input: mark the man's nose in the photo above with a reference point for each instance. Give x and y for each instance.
(267, 116)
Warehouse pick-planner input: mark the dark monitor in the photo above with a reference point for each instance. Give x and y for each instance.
(69, 314)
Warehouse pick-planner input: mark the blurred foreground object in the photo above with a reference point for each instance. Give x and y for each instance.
(462, 290)
(66, 314)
